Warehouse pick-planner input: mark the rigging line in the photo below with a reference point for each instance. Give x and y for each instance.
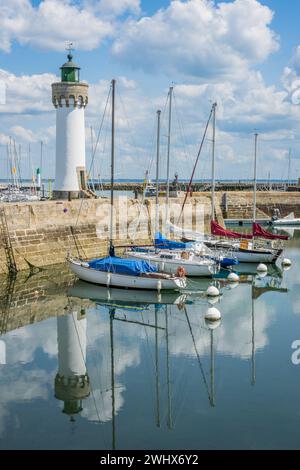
(95, 364)
(147, 340)
(197, 354)
(100, 128)
(106, 130)
(141, 203)
(196, 162)
(126, 118)
(17, 159)
(181, 128)
(98, 137)
(150, 363)
(84, 361)
(152, 153)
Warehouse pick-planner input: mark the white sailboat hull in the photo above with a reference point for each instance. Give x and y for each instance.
(85, 273)
(192, 268)
(103, 294)
(287, 223)
(243, 256)
(253, 256)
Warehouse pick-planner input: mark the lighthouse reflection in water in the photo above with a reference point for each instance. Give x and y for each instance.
(86, 367)
(72, 383)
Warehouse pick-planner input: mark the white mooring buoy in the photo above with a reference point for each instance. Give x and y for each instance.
(233, 277)
(213, 300)
(212, 314)
(212, 325)
(212, 291)
(287, 263)
(262, 268)
(233, 285)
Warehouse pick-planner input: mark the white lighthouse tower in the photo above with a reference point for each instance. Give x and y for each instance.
(70, 97)
(72, 383)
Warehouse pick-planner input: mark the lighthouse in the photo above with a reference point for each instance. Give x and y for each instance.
(70, 98)
(72, 383)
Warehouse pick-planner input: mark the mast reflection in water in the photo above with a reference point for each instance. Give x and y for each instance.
(143, 370)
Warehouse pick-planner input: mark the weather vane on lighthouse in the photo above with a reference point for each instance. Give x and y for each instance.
(70, 48)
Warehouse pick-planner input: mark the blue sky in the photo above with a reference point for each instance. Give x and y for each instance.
(243, 53)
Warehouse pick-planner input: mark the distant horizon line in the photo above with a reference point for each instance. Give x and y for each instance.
(141, 180)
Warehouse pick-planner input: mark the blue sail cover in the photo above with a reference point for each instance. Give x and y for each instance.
(163, 243)
(122, 266)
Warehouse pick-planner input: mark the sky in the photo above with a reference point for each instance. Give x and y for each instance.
(244, 54)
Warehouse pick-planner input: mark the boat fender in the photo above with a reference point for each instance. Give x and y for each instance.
(159, 286)
(108, 279)
(181, 272)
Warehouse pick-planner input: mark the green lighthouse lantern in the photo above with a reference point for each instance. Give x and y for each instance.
(70, 71)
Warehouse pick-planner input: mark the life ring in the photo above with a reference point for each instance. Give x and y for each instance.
(181, 272)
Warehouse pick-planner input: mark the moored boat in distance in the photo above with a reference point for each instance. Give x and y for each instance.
(288, 221)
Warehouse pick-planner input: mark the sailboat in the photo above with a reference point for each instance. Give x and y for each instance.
(113, 271)
(179, 259)
(288, 221)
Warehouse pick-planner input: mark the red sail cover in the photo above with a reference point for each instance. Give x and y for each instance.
(219, 231)
(258, 231)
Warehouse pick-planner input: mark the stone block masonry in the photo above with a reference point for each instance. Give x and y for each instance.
(239, 204)
(42, 233)
(25, 300)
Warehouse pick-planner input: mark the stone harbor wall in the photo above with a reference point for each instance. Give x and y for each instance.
(42, 233)
(239, 204)
(29, 299)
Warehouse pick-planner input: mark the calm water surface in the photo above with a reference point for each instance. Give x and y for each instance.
(83, 370)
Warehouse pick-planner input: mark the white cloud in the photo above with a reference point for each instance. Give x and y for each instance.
(291, 78)
(197, 38)
(27, 93)
(115, 7)
(50, 24)
(25, 135)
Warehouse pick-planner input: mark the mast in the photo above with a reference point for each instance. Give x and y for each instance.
(253, 379)
(111, 247)
(212, 369)
(92, 159)
(255, 178)
(157, 171)
(41, 162)
(169, 148)
(289, 167)
(157, 369)
(170, 425)
(213, 163)
(112, 363)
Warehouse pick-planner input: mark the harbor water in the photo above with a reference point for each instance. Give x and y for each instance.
(102, 369)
